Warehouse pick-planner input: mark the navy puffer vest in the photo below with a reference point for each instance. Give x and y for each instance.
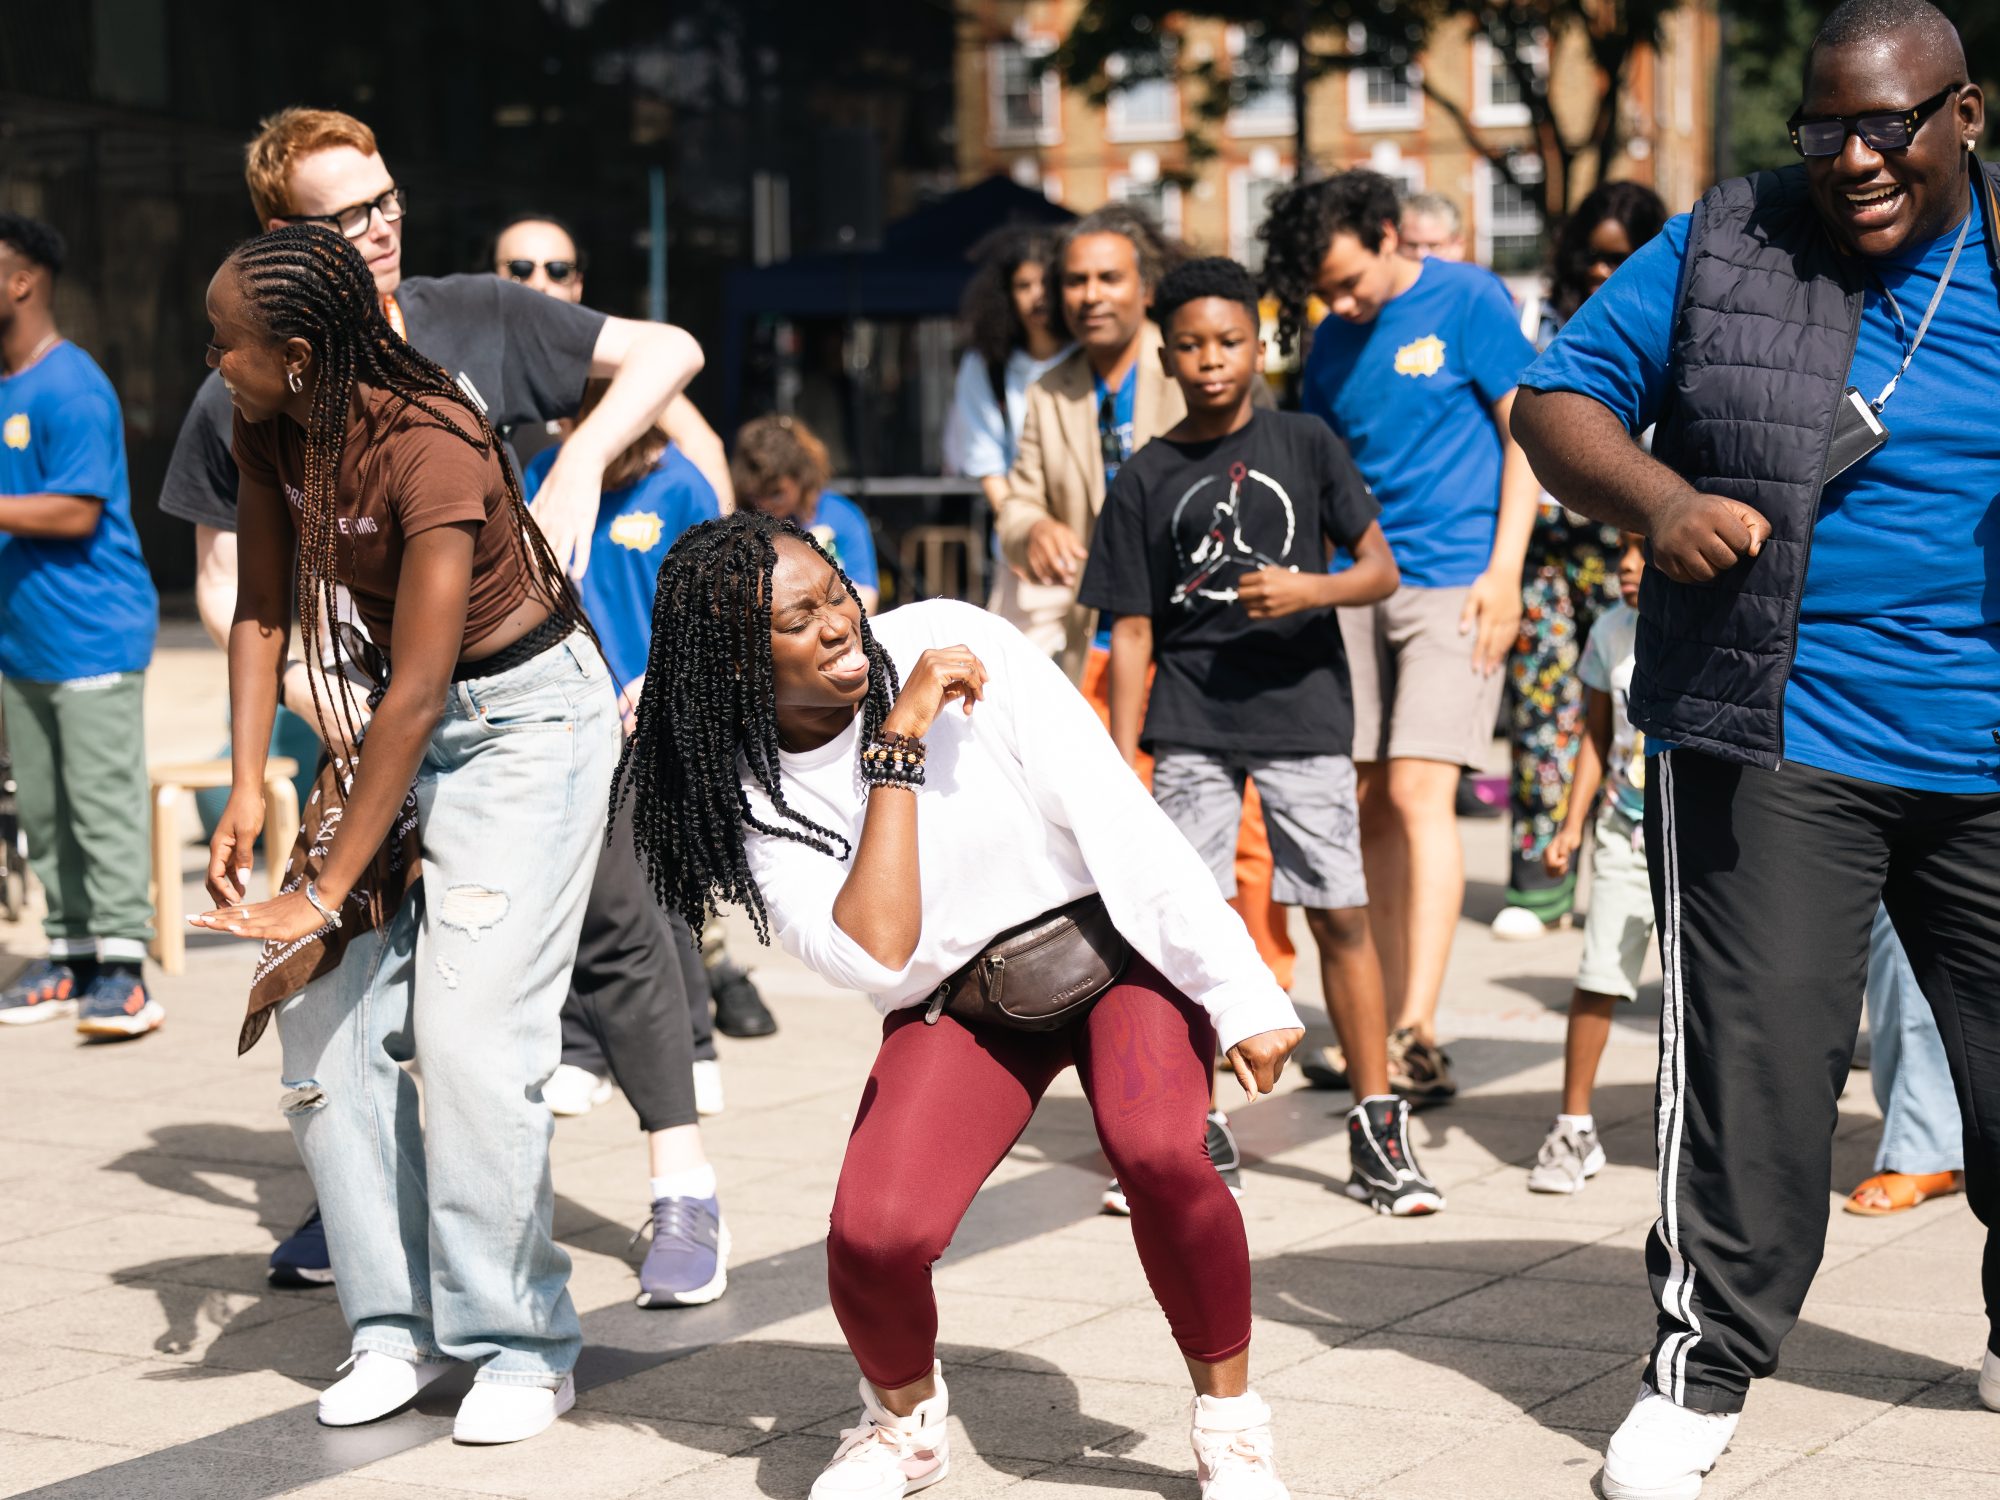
(1768, 315)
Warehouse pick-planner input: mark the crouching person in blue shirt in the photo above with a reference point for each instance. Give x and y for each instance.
(77, 620)
(1819, 645)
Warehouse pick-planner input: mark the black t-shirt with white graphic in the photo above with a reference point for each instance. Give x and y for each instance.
(1181, 525)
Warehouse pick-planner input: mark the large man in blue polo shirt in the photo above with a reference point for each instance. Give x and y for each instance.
(77, 619)
(1820, 646)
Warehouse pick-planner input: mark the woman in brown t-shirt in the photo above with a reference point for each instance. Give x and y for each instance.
(363, 469)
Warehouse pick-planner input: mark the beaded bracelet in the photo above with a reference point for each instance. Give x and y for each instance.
(893, 759)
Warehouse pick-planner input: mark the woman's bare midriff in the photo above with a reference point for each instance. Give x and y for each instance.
(524, 617)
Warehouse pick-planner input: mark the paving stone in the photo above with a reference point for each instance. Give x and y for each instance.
(1828, 1474)
(1524, 1460)
(1451, 1377)
(587, 1455)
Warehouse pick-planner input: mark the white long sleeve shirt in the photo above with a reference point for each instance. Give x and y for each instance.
(1026, 807)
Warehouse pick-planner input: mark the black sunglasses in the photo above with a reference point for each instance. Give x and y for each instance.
(559, 271)
(353, 220)
(1890, 130)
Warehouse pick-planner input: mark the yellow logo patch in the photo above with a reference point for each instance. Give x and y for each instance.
(1424, 357)
(16, 430)
(640, 531)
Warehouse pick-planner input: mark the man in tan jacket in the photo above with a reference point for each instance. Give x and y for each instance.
(1091, 412)
(1085, 417)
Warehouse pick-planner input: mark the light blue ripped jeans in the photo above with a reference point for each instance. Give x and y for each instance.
(1922, 1130)
(440, 1233)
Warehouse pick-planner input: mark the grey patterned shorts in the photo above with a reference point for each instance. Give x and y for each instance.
(1310, 813)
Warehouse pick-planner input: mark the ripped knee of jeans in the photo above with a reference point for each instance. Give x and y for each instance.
(472, 909)
(302, 1098)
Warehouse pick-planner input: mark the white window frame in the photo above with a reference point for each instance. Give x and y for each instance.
(1120, 128)
(1365, 115)
(998, 131)
(1487, 61)
(1275, 115)
(1484, 180)
(1118, 189)
(1266, 165)
(1405, 171)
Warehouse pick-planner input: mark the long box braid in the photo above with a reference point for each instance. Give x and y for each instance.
(709, 698)
(305, 281)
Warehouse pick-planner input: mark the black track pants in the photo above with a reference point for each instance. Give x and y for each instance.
(636, 975)
(1765, 884)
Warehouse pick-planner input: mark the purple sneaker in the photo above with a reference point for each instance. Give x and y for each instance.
(688, 1261)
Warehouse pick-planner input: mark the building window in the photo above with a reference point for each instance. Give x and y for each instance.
(1497, 95)
(1387, 158)
(1025, 101)
(1141, 185)
(1251, 190)
(1143, 106)
(1382, 98)
(1262, 73)
(1509, 228)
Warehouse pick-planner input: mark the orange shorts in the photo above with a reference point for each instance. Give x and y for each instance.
(1269, 923)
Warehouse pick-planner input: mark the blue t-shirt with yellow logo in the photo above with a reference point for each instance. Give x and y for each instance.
(70, 608)
(636, 527)
(1411, 395)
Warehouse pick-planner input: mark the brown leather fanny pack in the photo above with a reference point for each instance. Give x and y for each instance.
(1041, 975)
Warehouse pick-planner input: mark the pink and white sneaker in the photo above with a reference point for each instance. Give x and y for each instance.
(884, 1456)
(1233, 1451)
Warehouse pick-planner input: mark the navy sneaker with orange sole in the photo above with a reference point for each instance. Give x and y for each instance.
(45, 991)
(116, 1007)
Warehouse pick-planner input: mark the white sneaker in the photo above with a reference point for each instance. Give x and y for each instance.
(707, 1086)
(1233, 1450)
(1661, 1451)
(1516, 924)
(1989, 1381)
(1568, 1159)
(885, 1457)
(496, 1413)
(377, 1385)
(573, 1091)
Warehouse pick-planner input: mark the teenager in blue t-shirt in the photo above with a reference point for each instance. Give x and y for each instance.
(1415, 369)
(77, 620)
(780, 468)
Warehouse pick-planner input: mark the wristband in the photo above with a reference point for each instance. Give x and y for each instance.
(892, 759)
(312, 895)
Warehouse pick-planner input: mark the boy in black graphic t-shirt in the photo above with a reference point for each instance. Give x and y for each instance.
(1211, 556)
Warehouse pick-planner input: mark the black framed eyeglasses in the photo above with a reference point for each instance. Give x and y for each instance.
(353, 220)
(1888, 130)
(559, 271)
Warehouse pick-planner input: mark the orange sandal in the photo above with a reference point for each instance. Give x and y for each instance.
(1899, 1192)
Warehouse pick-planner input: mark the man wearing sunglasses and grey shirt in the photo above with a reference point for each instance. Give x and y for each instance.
(1818, 671)
(522, 356)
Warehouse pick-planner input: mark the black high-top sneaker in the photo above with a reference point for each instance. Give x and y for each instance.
(1385, 1171)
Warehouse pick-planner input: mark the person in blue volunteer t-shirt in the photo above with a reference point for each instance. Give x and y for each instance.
(1817, 668)
(780, 468)
(77, 620)
(1415, 368)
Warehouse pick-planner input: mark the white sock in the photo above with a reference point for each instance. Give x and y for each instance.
(1578, 1122)
(1222, 1408)
(120, 950)
(62, 950)
(695, 1182)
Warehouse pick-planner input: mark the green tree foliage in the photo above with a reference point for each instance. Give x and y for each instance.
(1392, 34)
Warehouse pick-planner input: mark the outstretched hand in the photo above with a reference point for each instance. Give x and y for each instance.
(1259, 1060)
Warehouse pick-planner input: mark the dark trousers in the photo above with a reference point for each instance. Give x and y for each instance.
(1765, 884)
(636, 979)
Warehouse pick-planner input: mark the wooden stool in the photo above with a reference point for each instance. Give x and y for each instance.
(281, 826)
(942, 569)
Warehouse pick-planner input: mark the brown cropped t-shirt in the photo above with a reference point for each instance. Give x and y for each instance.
(401, 473)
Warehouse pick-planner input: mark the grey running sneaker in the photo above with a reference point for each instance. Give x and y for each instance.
(1419, 1070)
(1568, 1159)
(688, 1261)
(1383, 1166)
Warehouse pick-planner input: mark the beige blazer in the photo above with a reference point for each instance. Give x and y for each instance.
(1059, 467)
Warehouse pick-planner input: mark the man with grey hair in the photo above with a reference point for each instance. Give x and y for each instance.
(1431, 225)
(1817, 666)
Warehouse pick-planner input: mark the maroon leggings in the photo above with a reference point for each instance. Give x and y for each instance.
(944, 1104)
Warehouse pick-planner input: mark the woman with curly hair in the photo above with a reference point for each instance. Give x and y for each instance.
(977, 872)
(1012, 338)
(495, 728)
(1569, 579)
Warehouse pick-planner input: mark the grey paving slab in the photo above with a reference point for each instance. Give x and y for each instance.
(1486, 1351)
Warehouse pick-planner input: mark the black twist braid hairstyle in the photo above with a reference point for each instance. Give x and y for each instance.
(305, 281)
(710, 697)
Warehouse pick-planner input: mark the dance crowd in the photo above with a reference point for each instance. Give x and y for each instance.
(1706, 517)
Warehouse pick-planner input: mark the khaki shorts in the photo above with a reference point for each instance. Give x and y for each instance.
(1416, 695)
(1619, 928)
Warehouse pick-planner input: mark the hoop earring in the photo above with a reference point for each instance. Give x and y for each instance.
(292, 380)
